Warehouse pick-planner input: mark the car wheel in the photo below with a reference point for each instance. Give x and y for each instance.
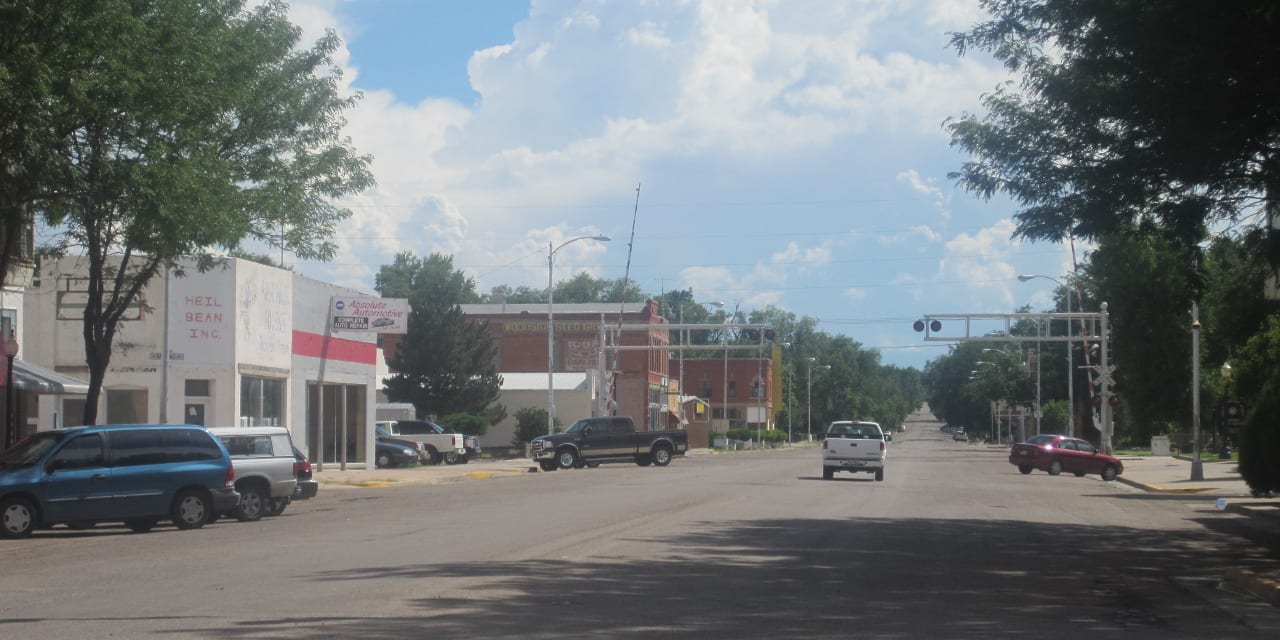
(568, 458)
(1025, 469)
(253, 503)
(644, 460)
(140, 525)
(278, 506)
(828, 473)
(452, 458)
(433, 456)
(1109, 473)
(1055, 467)
(382, 461)
(191, 509)
(17, 517)
(662, 456)
(1079, 474)
(548, 465)
(879, 475)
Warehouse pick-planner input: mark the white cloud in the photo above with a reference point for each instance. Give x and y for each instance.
(982, 262)
(648, 35)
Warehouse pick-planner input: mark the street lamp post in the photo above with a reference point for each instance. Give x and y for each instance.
(10, 416)
(809, 395)
(1197, 468)
(551, 327)
(1071, 382)
(684, 342)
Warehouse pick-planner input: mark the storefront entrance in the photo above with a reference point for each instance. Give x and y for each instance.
(336, 426)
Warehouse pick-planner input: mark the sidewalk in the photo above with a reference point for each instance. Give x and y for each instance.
(334, 477)
(1223, 489)
(356, 476)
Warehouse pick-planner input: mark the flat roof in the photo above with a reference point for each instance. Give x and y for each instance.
(540, 309)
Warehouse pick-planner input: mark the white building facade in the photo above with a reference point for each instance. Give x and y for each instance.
(243, 344)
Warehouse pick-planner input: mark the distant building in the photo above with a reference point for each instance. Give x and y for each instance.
(640, 380)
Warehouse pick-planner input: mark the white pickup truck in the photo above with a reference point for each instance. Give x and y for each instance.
(859, 447)
(433, 447)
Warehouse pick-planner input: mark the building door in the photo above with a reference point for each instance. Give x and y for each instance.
(193, 413)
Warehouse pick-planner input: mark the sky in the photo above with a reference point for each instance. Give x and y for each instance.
(759, 152)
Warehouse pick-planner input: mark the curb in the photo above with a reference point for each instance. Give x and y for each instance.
(1263, 587)
(1155, 488)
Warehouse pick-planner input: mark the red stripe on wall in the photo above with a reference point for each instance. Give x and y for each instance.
(312, 345)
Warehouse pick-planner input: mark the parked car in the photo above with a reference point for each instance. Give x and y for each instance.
(264, 463)
(404, 428)
(958, 434)
(1055, 454)
(433, 446)
(307, 487)
(136, 474)
(393, 452)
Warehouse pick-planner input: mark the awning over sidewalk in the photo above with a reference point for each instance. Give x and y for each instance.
(34, 378)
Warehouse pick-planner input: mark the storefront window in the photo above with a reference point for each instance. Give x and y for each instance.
(261, 402)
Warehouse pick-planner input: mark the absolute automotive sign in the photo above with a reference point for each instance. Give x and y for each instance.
(369, 314)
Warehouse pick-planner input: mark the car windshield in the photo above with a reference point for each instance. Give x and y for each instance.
(381, 432)
(1041, 440)
(29, 451)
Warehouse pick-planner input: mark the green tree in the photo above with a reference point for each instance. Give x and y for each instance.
(1126, 111)
(445, 364)
(1151, 327)
(531, 422)
(1257, 377)
(469, 423)
(175, 128)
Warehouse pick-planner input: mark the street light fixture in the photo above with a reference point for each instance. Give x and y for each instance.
(684, 342)
(551, 333)
(1071, 381)
(10, 416)
(809, 394)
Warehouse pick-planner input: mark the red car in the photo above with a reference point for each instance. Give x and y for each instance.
(1056, 454)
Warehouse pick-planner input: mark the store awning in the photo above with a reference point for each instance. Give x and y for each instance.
(34, 378)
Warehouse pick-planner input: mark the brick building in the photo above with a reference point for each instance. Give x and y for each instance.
(640, 380)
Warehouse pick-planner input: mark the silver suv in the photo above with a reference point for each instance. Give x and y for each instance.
(263, 459)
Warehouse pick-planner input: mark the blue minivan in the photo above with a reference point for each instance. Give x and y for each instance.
(136, 474)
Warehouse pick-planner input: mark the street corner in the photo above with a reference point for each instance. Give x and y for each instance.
(1265, 587)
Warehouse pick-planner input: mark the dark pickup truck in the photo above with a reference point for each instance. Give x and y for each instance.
(607, 439)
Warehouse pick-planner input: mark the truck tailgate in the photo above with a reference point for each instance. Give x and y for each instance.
(850, 449)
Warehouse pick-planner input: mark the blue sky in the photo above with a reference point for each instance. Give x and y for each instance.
(788, 153)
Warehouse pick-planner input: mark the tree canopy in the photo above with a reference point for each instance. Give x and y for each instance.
(1125, 111)
(444, 364)
(160, 129)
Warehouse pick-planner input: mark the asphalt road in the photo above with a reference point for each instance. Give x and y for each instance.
(954, 543)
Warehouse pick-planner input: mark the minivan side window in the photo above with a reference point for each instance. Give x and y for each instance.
(190, 445)
(131, 447)
(136, 447)
(82, 452)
